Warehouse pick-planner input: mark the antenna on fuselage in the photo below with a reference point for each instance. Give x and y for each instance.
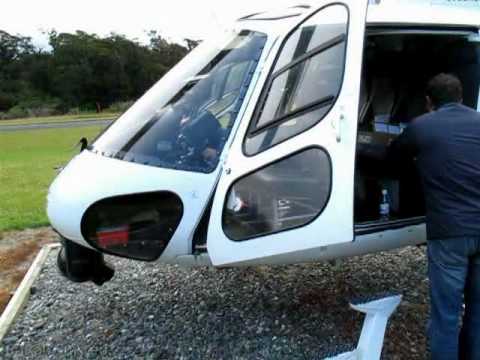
(83, 144)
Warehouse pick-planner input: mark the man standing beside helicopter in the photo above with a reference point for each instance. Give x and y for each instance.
(445, 145)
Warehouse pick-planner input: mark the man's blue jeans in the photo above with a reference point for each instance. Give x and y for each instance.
(454, 273)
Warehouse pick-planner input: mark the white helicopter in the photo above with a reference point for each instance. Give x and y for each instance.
(266, 145)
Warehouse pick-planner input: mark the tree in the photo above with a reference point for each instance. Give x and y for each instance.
(13, 51)
(82, 69)
(167, 53)
(192, 44)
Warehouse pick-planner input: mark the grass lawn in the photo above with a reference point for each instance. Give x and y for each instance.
(27, 161)
(61, 118)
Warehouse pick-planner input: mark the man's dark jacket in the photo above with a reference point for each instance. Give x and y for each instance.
(446, 147)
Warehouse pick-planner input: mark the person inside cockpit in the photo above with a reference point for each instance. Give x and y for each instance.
(202, 135)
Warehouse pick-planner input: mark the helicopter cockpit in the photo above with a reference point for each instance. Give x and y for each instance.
(189, 131)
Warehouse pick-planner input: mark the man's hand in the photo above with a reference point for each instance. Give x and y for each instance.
(209, 154)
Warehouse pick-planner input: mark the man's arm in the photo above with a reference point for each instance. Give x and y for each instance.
(404, 147)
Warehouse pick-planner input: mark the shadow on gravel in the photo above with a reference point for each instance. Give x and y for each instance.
(159, 312)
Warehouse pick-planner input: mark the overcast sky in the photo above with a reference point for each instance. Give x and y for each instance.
(175, 19)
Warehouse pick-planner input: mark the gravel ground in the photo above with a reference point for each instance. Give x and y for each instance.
(152, 311)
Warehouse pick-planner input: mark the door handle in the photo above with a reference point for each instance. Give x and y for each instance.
(337, 123)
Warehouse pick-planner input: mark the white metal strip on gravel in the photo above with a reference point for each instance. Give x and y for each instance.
(22, 293)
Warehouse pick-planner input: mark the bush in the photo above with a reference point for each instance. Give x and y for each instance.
(33, 107)
(42, 111)
(120, 106)
(6, 101)
(40, 106)
(16, 112)
(74, 111)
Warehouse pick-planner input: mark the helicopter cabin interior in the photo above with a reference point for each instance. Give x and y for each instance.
(396, 68)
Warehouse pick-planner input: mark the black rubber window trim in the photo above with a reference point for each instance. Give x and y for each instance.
(327, 100)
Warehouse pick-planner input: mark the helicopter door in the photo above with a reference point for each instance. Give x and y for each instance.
(286, 191)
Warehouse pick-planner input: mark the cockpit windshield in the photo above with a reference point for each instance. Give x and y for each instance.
(184, 121)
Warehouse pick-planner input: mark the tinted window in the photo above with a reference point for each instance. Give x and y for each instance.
(137, 226)
(333, 20)
(275, 14)
(287, 194)
(318, 78)
(189, 130)
(277, 134)
(307, 78)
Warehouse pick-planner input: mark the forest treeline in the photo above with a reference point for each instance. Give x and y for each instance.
(80, 71)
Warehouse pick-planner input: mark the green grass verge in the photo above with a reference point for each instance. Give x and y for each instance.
(27, 161)
(61, 118)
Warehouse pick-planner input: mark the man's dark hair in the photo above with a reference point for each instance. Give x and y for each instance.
(443, 89)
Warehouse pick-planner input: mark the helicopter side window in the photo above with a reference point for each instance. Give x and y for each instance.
(284, 195)
(305, 81)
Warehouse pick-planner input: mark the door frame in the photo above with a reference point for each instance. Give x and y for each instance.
(332, 134)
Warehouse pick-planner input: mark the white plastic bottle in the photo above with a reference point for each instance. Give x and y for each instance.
(384, 206)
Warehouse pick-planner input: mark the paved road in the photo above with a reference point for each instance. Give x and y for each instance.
(55, 125)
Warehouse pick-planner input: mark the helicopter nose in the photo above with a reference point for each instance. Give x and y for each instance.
(65, 206)
(107, 210)
(137, 226)
(128, 209)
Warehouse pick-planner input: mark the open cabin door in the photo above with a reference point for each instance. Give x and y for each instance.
(286, 190)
